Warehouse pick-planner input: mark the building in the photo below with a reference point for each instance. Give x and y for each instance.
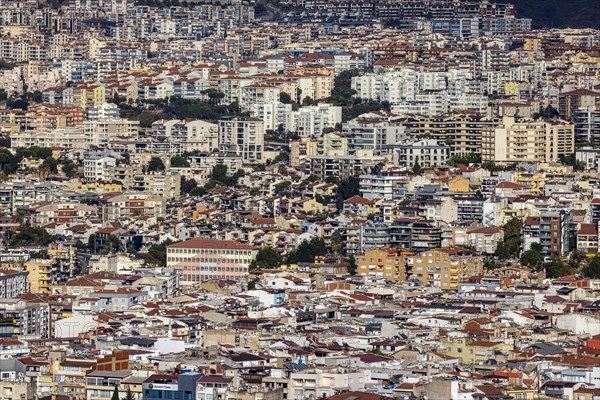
(570, 102)
(202, 259)
(587, 125)
(243, 138)
(486, 239)
(99, 169)
(426, 153)
(515, 141)
(41, 275)
(382, 263)
(300, 149)
(550, 230)
(374, 133)
(445, 268)
(13, 283)
(175, 387)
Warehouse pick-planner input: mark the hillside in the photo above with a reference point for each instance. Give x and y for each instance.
(559, 13)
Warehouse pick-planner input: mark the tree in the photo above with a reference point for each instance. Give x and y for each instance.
(285, 98)
(533, 257)
(416, 169)
(266, 258)
(157, 253)
(307, 101)
(511, 245)
(187, 185)
(179, 162)
(128, 395)
(592, 270)
(111, 244)
(115, 395)
(556, 268)
(31, 236)
(346, 189)
(69, 168)
(307, 251)
(352, 267)
(576, 259)
(156, 164)
(281, 188)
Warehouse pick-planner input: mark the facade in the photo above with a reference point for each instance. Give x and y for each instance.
(445, 268)
(425, 153)
(528, 141)
(13, 283)
(202, 259)
(243, 138)
(383, 263)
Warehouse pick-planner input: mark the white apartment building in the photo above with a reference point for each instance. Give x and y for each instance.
(99, 169)
(242, 137)
(312, 120)
(272, 114)
(373, 132)
(426, 153)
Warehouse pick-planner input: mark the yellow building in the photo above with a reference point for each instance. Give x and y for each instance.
(88, 95)
(300, 149)
(385, 262)
(458, 184)
(446, 268)
(40, 275)
(475, 351)
(525, 140)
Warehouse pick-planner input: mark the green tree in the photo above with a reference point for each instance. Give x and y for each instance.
(266, 258)
(510, 247)
(307, 101)
(187, 185)
(307, 251)
(157, 253)
(533, 257)
(115, 395)
(352, 267)
(592, 270)
(128, 395)
(31, 236)
(69, 168)
(285, 98)
(179, 162)
(346, 189)
(156, 164)
(111, 244)
(282, 187)
(556, 268)
(416, 169)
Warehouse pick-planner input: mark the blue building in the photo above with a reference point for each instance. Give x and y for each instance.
(171, 387)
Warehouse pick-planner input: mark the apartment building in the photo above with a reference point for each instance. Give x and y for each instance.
(202, 259)
(569, 103)
(374, 133)
(300, 149)
(587, 124)
(41, 214)
(551, 230)
(13, 283)
(445, 268)
(425, 153)
(517, 141)
(313, 120)
(41, 275)
(242, 137)
(462, 132)
(99, 168)
(382, 263)
(27, 319)
(124, 205)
